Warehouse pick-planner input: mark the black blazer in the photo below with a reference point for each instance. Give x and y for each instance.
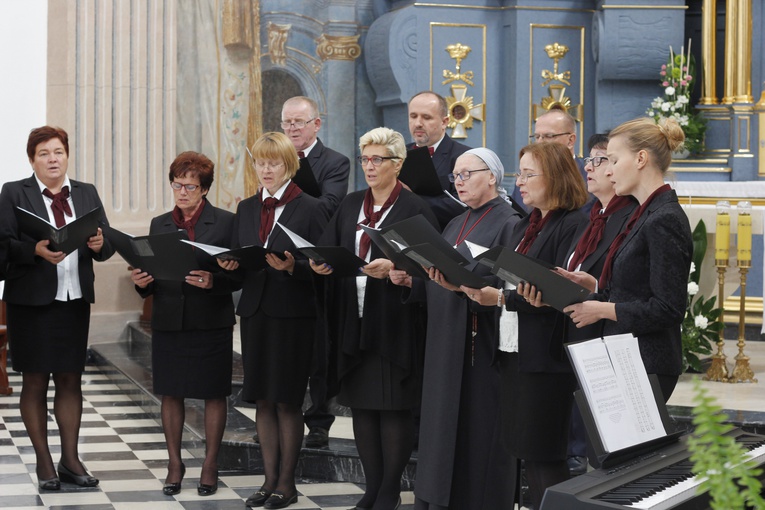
(331, 170)
(649, 284)
(593, 264)
(541, 330)
(277, 293)
(31, 280)
(444, 158)
(178, 306)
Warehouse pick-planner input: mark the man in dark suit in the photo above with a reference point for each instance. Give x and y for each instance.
(428, 118)
(301, 123)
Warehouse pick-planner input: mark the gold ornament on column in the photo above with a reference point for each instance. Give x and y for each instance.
(338, 47)
(557, 98)
(462, 111)
(277, 40)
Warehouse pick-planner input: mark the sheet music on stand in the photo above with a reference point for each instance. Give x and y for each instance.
(623, 410)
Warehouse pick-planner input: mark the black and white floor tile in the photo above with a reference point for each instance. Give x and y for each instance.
(124, 447)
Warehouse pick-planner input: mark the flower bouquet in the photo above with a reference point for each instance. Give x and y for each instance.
(677, 80)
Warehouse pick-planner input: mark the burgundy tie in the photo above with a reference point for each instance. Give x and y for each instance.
(60, 205)
(431, 150)
(301, 154)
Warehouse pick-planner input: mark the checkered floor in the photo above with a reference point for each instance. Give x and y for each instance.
(124, 447)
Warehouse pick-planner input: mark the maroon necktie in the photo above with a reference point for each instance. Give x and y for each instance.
(268, 209)
(301, 154)
(60, 205)
(431, 150)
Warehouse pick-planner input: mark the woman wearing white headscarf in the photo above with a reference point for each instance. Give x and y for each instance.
(460, 463)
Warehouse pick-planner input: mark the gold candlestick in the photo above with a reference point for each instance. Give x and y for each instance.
(742, 372)
(718, 370)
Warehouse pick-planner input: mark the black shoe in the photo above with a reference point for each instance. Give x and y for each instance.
(54, 484)
(317, 438)
(66, 475)
(577, 465)
(279, 500)
(256, 438)
(258, 498)
(204, 489)
(171, 489)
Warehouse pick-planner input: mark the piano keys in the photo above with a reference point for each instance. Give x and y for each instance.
(660, 480)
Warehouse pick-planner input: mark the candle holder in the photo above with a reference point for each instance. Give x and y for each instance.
(718, 370)
(742, 372)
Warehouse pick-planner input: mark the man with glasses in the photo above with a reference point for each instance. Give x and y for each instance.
(428, 118)
(557, 126)
(301, 123)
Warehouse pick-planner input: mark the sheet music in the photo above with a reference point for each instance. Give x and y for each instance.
(463, 204)
(207, 248)
(613, 377)
(475, 249)
(298, 241)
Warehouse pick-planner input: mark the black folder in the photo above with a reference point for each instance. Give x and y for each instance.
(419, 174)
(394, 254)
(249, 257)
(429, 256)
(341, 259)
(66, 238)
(418, 230)
(557, 291)
(305, 179)
(163, 256)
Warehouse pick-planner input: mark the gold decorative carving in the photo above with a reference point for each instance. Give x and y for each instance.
(557, 100)
(556, 52)
(458, 52)
(462, 111)
(238, 26)
(338, 47)
(277, 39)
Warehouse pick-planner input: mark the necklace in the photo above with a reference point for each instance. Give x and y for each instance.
(460, 238)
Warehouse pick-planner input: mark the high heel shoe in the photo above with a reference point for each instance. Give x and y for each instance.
(54, 484)
(171, 489)
(204, 489)
(66, 475)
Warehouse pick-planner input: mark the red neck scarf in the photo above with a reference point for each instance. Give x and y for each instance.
(371, 217)
(536, 224)
(590, 240)
(188, 225)
(605, 276)
(268, 209)
(60, 205)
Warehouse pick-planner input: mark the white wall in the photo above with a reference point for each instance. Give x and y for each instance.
(23, 64)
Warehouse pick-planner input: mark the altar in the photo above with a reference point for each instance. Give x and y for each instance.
(699, 200)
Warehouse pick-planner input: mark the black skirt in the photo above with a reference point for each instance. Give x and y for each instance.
(536, 408)
(49, 338)
(376, 383)
(276, 358)
(192, 364)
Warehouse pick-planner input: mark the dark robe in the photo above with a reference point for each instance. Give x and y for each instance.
(461, 464)
(389, 328)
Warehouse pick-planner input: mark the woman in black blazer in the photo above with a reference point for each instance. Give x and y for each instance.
(192, 322)
(643, 286)
(379, 339)
(48, 295)
(537, 380)
(278, 313)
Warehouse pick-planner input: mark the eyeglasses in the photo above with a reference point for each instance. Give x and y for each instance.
(376, 160)
(464, 175)
(297, 124)
(523, 178)
(262, 165)
(189, 187)
(595, 160)
(546, 137)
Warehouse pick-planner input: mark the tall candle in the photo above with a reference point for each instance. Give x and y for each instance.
(744, 238)
(722, 235)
